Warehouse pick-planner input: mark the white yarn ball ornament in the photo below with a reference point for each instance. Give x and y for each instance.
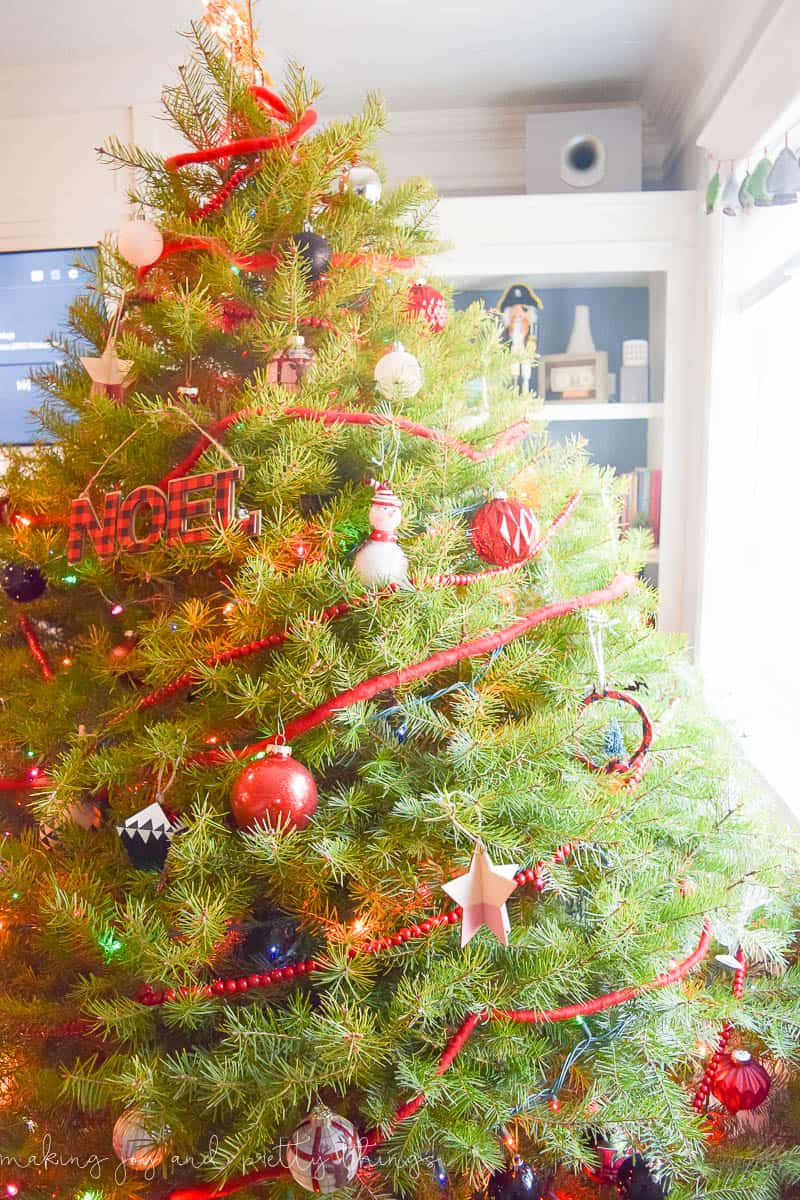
(398, 375)
(134, 1142)
(140, 243)
(323, 1153)
(379, 563)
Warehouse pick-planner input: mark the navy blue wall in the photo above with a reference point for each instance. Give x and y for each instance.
(616, 314)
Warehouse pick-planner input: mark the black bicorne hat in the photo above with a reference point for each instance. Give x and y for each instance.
(518, 293)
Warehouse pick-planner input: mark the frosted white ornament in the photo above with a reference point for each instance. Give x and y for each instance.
(135, 1142)
(323, 1153)
(398, 375)
(140, 243)
(380, 560)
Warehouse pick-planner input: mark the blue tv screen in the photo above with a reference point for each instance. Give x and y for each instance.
(36, 289)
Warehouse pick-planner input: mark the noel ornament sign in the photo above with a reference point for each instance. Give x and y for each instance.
(185, 512)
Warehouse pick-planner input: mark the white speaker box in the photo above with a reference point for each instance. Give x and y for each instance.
(584, 149)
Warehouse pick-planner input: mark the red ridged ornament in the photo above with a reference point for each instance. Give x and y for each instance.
(275, 790)
(425, 301)
(740, 1081)
(504, 532)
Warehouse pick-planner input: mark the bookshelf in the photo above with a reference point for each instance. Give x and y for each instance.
(632, 255)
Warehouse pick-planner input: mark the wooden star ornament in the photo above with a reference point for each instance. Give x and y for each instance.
(109, 374)
(482, 895)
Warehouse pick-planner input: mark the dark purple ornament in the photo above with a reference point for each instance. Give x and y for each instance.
(635, 1182)
(23, 583)
(314, 253)
(518, 1181)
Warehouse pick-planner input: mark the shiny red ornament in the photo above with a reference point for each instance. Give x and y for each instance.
(740, 1081)
(275, 790)
(504, 532)
(425, 301)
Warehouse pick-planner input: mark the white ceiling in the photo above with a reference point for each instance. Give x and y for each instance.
(421, 54)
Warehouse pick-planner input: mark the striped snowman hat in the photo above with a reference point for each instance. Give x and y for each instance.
(384, 496)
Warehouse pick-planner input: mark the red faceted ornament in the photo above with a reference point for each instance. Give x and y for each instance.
(740, 1081)
(425, 301)
(504, 532)
(274, 790)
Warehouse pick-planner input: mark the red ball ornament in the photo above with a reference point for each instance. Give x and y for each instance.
(274, 790)
(740, 1081)
(504, 532)
(425, 301)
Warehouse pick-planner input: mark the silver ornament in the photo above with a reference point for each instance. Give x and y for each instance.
(361, 180)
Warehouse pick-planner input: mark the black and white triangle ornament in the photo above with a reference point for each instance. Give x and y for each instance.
(147, 836)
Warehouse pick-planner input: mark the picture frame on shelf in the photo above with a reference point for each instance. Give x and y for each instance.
(570, 377)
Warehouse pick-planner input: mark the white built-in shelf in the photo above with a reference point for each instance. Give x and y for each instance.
(567, 411)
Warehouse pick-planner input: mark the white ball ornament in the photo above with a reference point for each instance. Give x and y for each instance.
(380, 560)
(398, 375)
(323, 1153)
(140, 243)
(135, 1142)
(361, 180)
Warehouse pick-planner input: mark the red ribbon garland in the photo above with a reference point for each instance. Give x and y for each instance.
(370, 688)
(337, 416)
(274, 106)
(269, 259)
(373, 1138)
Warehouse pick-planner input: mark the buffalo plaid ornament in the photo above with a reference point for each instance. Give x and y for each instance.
(147, 836)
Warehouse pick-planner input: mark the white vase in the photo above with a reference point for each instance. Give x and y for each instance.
(581, 341)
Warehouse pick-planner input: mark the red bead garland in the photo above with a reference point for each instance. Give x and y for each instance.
(704, 1088)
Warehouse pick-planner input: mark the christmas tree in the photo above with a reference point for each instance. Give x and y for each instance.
(362, 832)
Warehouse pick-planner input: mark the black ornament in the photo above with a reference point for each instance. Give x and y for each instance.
(272, 942)
(147, 836)
(23, 583)
(314, 253)
(517, 1182)
(634, 1181)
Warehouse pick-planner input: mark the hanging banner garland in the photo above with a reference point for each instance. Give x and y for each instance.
(144, 517)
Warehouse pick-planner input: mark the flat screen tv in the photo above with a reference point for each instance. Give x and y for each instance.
(36, 289)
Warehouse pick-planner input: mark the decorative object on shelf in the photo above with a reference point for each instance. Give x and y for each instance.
(783, 181)
(504, 532)
(398, 374)
(581, 373)
(740, 1081)
(140, 243)
(519, 309)
(758, 180)
(482, 893)
(289, 367)
(313, 253)
(730, 195)
(746, 201)
(518, 1181)
(359, 179)
(324, 1152)
(147, 836)
(274, 790)
(426, 302)
(83, 813)
(634, 376)
(108, 373)
(380, 560)
(637, 1181)
(713, 189)
(136, 1144)
(174, 514)
(23, 582)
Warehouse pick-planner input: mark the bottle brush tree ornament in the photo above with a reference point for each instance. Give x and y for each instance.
(380, 560)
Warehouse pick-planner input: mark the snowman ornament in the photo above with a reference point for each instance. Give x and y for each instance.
(380, 560)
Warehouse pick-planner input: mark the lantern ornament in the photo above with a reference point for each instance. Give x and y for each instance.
(289, 367)
(740, 1081)
(323, 1153)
